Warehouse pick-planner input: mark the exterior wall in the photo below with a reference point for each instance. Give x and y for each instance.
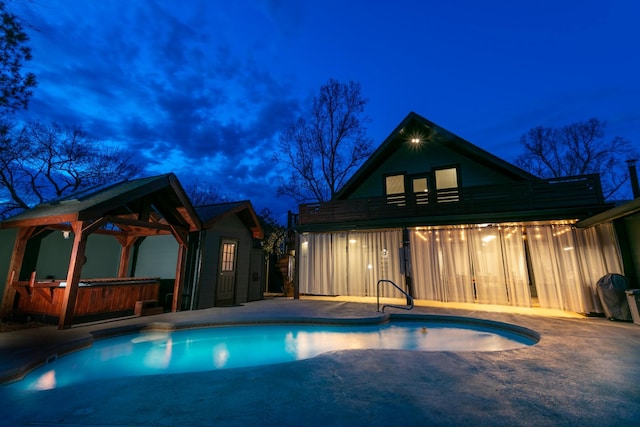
(102, 252)
(410, 159)
(257, 276)
(208, 280)
(229, 228)
(103, 255)
(158, 257)
(632, 226)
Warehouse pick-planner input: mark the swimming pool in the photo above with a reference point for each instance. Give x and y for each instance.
(226, 347)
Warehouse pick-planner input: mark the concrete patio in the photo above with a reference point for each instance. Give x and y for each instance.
(584, 371)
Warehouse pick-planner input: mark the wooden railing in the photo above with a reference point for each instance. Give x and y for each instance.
(577, 191)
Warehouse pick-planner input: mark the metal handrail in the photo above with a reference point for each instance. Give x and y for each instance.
(409, 297)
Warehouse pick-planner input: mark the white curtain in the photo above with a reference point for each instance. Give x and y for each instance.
(598, 254)
(486, 256)
(315, 251)
(447, 262)
(499, 265)
(350, 263)
(516, 273)
(441, 265)
(567, 262)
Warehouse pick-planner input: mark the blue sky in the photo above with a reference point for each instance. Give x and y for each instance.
(202, 88)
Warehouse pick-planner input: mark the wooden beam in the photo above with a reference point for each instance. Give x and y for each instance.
(178, 284)
(89, 227)
(181, 234)
(35, 222)
(74, 272)
(140, 224)
(15, 265)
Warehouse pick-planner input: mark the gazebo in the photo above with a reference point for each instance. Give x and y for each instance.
(129, 211)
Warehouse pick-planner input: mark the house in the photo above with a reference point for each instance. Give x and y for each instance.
(102, 251)
(448, 221)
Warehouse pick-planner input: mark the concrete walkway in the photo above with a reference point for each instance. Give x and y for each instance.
(584, 371)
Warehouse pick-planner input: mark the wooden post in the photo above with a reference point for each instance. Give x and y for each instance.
(177, 286)
(125, 254)
(73, 275)
(15, 265)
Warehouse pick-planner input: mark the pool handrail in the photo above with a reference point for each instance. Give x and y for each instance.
(409, 305)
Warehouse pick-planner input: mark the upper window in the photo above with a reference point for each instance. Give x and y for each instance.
(421, 190)
(394, 190)
(447, 185)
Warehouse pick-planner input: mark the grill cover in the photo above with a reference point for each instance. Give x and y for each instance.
(611, 290)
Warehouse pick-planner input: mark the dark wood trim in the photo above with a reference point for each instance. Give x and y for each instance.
(582, 193)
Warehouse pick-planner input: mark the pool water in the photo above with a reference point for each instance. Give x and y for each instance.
(192, 350)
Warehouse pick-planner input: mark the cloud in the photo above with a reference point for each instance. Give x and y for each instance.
(170, 86)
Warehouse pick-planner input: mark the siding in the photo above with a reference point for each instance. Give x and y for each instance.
(158, 257)
(229, 228)
(411, 160)
(102, 252)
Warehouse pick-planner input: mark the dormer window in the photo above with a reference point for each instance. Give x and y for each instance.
(394, 190)
(421, 190)
(437, 186)
(447, 185)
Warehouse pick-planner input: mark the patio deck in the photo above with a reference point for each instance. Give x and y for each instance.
(584, 371)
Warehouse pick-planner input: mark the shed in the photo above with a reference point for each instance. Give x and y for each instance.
(229, 268)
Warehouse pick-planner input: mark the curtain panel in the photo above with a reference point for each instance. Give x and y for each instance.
(350, 263)
(510, 264)
(468, 264)
(567, 263)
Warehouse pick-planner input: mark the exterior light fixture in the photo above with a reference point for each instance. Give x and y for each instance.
(415, 140)
(66, 234)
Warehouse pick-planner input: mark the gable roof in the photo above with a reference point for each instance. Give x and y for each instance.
(212, 214)
(161, 198)
(436, 134)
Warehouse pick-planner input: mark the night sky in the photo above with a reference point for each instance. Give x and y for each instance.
(202, 88)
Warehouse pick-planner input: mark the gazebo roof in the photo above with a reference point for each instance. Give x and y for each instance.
(135, 206)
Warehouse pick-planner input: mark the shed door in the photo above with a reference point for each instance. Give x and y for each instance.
(227, 269)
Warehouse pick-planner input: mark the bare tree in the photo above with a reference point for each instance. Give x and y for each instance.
(203, 193)
(577, 149)
(39, 163)
(15, 85)
(322, 151)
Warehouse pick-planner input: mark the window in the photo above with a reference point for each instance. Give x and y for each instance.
(394, 189)
(447, 185)
(421, 190)
(228, 256)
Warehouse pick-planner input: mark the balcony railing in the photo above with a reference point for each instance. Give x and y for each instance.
(569, 192)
